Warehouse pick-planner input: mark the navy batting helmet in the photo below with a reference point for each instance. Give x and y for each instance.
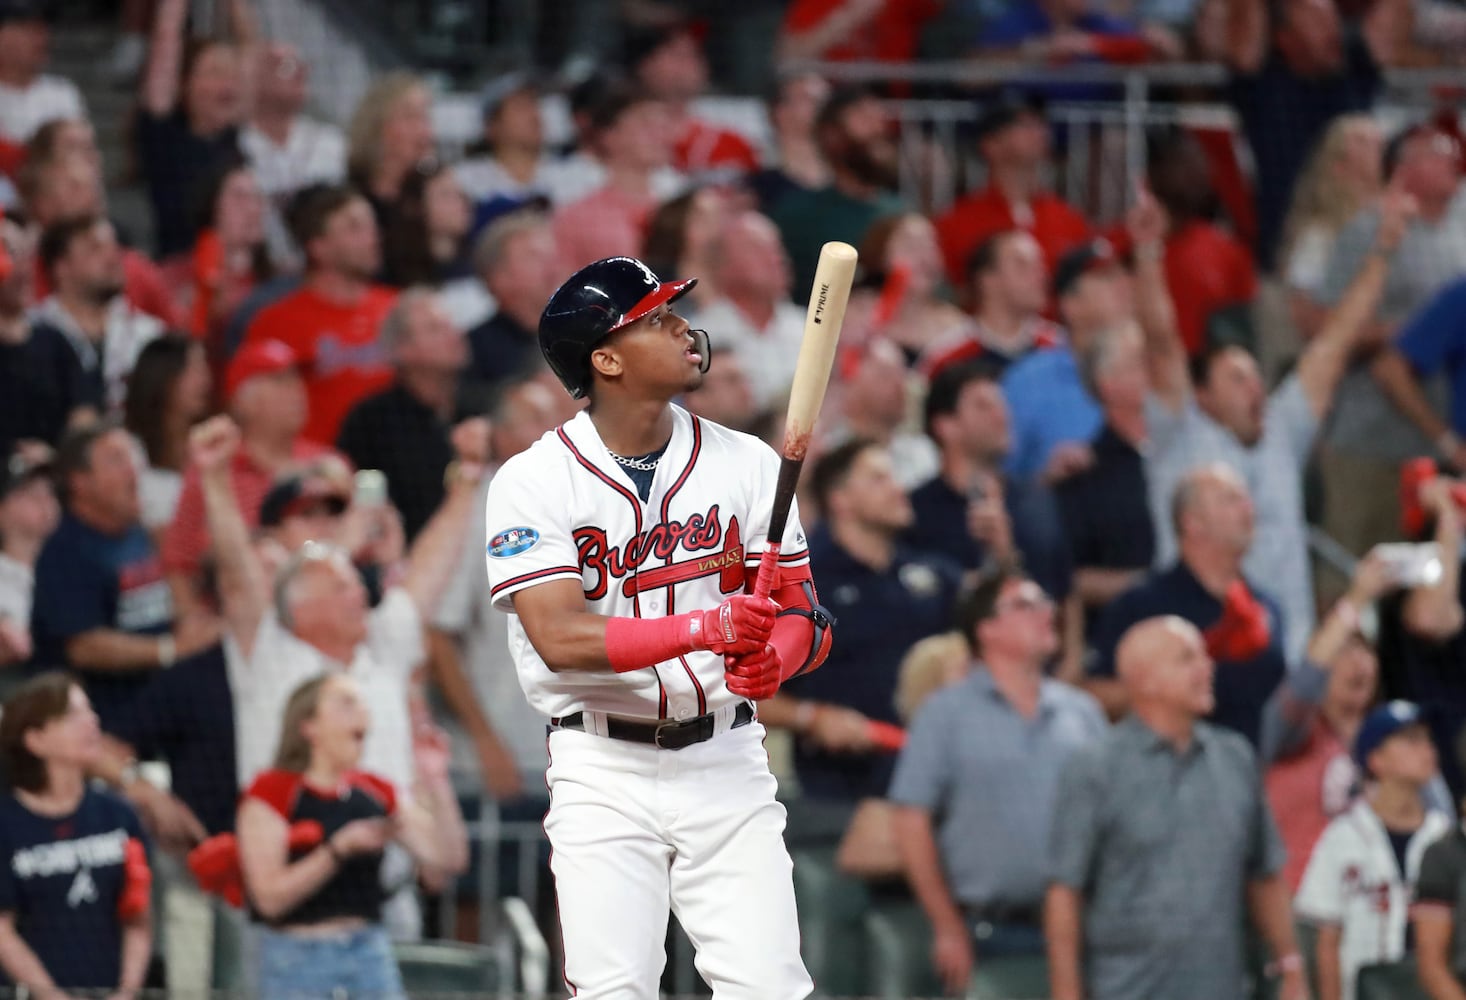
(594, 303)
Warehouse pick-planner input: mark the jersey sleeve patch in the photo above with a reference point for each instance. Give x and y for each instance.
(513, 542)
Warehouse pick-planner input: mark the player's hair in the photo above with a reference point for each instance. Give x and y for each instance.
(56, 241)
(38, 702)
(492, 248)
(979, 602)
(833, 469)
(294, 752)
(946, 389)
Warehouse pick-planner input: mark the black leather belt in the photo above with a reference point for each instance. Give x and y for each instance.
(663, 735)
(1004, 913)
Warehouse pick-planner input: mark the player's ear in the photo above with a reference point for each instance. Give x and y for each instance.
(606, 360)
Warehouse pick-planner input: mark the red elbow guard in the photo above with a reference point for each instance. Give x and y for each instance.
(137, 882)
(804, 631)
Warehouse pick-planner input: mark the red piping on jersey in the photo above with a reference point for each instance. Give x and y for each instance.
(702, 698)
(536, 575)
(635, 502)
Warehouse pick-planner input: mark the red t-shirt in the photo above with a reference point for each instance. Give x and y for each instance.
(889, 36)
(143, 286)
(703, 147)
(1207, 269)
(1306, 791)
(337, 345)
(187, 541)
(1055, 224)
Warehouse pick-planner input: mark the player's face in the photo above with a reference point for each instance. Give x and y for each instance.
(657, 354)
(337, 731)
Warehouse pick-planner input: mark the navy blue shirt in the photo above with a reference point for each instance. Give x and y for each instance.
(86, 580)
(1284, 115)
(1429, 673)
(1435, 339)
(501, 349)
(41, 382)
(1027, 20)
(880, 614)
(941, 526)
(1242, 686)
(62, 879)
(186, 717)
(1106, 511)
(175, 161)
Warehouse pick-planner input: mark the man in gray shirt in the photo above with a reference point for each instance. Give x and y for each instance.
(981, 765)
(1216, 410)
(1367, 440)
(1166, 845)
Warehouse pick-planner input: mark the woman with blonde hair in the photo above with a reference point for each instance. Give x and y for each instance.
(312, 832)
(869, 849)
(390, 135)
(1342, 176)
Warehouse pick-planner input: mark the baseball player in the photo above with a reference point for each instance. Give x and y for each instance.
(623, 545)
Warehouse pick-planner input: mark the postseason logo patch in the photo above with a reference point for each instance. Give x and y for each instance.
(513, 542)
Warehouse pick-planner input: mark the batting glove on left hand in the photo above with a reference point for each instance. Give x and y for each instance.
(754, 675)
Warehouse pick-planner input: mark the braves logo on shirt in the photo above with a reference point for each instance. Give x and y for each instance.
(699, 533)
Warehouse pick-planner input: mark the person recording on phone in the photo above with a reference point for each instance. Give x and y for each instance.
(1422, 641)
(312, 617)
(405, 429)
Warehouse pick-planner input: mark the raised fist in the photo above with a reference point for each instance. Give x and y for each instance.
(741, 624)
(471, 440)
(213, 443)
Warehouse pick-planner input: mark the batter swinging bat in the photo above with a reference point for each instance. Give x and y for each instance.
(827, 300)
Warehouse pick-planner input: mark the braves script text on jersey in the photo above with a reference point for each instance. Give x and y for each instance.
(635, 828)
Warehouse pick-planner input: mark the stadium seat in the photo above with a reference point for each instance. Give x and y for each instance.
(899, 953)
(832, 935)
(447, 967)
(1389, 981)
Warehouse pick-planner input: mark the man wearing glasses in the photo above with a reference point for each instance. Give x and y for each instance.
(975, 784)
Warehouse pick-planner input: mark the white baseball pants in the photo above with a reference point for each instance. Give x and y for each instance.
(637, 831)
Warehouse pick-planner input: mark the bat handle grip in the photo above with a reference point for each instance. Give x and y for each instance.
(768, 570)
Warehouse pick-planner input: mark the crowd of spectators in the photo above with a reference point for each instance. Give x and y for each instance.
(1090, 698)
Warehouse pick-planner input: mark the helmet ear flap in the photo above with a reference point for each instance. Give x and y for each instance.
(703, 344)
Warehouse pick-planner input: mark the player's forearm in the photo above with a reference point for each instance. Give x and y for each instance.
(1272, 915)
(1062, 937)
(1330, 978)
(1101, 586)
(1323, 363)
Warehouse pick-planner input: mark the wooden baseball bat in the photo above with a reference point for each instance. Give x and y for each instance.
(827, 300)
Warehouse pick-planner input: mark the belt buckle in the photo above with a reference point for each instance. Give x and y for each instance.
(664, 727)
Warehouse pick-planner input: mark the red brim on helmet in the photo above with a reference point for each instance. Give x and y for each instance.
(667, 291)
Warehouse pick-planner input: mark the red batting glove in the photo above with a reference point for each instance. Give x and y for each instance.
(754, 675)
(741, 624)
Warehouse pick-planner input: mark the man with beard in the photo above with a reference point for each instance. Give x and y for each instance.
(1218, 411)
(331, 321)
(83, 262)
(854, 134)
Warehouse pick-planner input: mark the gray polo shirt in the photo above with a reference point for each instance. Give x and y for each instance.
(989, 776)
(1273, 470)
(1161, 845)
(1431, 256)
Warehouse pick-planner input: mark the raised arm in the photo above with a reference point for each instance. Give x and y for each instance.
(1247, 35)
(160, 85)
(435, 554)
(1165, 354)
(1434, 613)
(1323, 363)
(244, 589)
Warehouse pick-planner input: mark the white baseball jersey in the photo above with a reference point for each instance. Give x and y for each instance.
(564, 509)
(1354, 882)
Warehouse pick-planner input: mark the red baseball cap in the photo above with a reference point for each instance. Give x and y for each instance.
(263, 357)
